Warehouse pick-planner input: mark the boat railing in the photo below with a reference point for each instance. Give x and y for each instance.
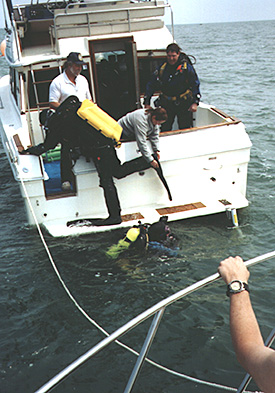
(81, 20)
(46, 23)
(157, 311)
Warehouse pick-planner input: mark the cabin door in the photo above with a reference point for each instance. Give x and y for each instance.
(115, 75)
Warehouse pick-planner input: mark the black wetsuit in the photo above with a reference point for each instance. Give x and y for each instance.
(179, 86)
(67, 128)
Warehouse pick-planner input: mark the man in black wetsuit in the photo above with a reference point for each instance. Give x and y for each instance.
(66, 126)
(179, 85)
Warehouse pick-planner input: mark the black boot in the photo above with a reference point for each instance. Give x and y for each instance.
(112, 203)
(100, 222)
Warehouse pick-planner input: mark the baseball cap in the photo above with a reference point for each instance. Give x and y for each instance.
(76, 58)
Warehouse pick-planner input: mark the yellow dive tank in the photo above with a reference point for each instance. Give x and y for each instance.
(100, 120)
(123, 244)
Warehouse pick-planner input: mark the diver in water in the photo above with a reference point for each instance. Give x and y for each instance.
(156, 237)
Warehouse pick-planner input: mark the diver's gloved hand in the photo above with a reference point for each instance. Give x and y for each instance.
(34, 150)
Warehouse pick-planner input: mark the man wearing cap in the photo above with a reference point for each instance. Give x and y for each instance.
(70, 82)
(65, 89)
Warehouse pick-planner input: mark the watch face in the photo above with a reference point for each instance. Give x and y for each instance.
(236, 286)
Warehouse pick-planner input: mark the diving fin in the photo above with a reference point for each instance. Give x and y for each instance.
(162, 178)
(80, 222)
(94, 222)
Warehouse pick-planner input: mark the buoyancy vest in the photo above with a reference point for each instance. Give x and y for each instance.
(100, 120)
(181, 67)
(136, 236)
(174, 80)
(98, 129)
(184, 60)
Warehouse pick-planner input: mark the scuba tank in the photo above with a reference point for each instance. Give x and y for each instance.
(136, 236)
(156, 237)
(99, 120)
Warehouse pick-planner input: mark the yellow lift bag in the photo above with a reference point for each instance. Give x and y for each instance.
(100, 120)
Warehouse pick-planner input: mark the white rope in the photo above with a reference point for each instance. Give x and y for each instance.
(93, 322)
(54, 266)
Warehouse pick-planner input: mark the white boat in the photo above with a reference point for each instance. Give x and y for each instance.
(204, 166)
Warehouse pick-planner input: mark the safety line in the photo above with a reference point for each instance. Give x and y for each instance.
(93, 322)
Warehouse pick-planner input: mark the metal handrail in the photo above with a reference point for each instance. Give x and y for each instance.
(109, 10)
(139, 319)
(56, 28)
(145, 349)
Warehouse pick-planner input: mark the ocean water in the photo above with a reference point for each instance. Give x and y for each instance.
(41, 329)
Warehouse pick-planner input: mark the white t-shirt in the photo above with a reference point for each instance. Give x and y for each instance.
(61, 88)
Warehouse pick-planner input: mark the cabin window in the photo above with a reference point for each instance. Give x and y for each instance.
(146, 67)
(40, 84)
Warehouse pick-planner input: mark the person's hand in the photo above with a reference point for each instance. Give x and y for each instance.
(54, 105)
(157, 154)
(233, 269)
(193, 107)
(154, 164)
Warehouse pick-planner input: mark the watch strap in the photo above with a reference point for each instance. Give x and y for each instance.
(244, 287)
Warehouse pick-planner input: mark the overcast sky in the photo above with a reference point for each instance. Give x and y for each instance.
(209, 11)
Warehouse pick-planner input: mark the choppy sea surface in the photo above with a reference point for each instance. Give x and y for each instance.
(41, 329)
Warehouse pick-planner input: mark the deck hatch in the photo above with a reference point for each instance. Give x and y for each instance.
(131, 217)
(180, 208)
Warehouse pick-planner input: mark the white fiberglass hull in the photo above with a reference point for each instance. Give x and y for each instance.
(205, 168)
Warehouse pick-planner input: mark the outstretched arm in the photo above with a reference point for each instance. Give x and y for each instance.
(250, 350)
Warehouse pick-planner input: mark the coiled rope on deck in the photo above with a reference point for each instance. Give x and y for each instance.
(200, 284)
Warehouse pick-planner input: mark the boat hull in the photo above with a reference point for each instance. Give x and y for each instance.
(205, 168)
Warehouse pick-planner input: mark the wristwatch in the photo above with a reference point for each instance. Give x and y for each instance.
(237, 286)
